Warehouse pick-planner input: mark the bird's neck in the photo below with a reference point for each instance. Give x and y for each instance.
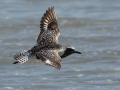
(61, 51)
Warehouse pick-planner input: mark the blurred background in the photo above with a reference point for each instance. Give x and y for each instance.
(91, 26)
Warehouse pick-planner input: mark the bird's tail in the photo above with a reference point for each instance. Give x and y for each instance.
(22, 56)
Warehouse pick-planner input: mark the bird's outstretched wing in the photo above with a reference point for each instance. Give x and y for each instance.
(50, 57)
(49, 28)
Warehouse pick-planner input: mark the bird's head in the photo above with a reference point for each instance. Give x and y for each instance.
(69, 50)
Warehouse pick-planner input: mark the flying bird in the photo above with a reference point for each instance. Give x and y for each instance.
(47, 48)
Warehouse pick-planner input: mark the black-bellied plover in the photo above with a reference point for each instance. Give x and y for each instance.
(47, 48)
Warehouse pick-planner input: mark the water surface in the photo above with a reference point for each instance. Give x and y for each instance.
(91, 26)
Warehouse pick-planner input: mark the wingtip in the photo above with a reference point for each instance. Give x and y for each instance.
(49, 19)
(52, 7)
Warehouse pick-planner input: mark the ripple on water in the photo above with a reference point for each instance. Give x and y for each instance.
(8, 88)
(91, 26)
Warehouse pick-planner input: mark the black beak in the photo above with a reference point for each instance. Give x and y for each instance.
(77, 52)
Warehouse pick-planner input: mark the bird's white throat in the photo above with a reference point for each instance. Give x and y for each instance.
(61, 51)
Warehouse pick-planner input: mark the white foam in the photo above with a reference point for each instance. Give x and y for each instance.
(44, 78)
(19, 44)
(108, 52)
(80, 75)
(117, 69)
(115, 53)
(7, 18)
(0, 41)
(108, 80)
(9, 88)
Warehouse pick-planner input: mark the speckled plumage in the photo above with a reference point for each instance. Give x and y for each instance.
(49, 29)
(47, 48)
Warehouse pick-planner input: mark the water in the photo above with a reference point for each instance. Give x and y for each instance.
(91, 26)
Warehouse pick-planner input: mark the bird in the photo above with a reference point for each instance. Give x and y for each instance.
(47, 48)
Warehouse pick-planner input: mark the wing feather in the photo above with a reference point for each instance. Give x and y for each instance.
(49, 27)
(50, 57)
